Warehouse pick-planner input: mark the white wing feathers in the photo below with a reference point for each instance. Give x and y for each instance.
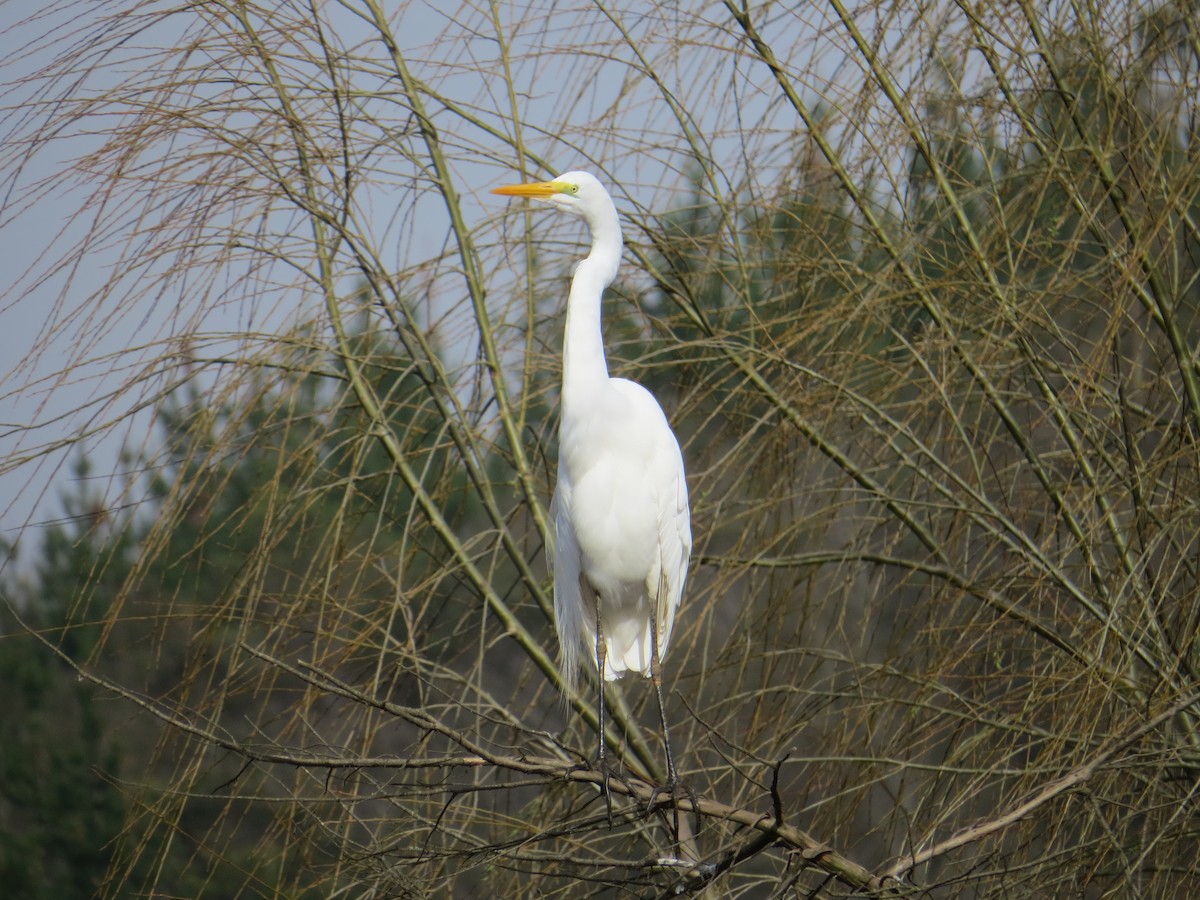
(623, 533)
(568, 602)
(675, 547)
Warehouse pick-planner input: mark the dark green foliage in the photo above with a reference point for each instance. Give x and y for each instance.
(60, 812)
(929, 381)
(74, 760)
(60, 809)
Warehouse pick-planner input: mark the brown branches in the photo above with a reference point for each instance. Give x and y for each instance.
(770, 827)
(1072, 780)
(918, 288)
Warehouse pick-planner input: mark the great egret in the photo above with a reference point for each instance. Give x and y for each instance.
(622, 529)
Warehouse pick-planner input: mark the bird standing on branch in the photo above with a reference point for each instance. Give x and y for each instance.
(622, 528)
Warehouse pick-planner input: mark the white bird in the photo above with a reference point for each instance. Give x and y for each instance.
(622, 528)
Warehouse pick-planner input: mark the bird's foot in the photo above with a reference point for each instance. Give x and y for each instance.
(668, 793)
(607, 772)
(655, 799)
(666, 800)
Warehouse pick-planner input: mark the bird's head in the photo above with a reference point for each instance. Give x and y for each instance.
(578, 193)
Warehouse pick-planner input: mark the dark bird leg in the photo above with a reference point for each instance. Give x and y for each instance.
(601, 658)
(682, 834)
(656, 677)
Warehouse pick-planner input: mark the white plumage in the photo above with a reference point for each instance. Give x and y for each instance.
(622, 527)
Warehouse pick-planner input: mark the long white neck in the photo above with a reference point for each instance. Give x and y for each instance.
(584, 366)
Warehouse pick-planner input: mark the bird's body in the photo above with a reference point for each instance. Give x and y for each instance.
(622, 526)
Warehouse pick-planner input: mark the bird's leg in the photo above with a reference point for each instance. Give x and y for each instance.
(682, 834)
(601, 658)
(656, 677)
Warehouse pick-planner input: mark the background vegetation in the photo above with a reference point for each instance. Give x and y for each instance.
(917, 284)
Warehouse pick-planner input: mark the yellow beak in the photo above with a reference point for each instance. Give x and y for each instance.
(539, 190)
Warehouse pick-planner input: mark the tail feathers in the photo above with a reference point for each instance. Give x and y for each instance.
(628, 640)
(629, 650)
(570, 623)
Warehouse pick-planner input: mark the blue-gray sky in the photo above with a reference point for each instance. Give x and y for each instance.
(68, 366)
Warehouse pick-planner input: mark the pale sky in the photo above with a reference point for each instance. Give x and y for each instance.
(579, 103)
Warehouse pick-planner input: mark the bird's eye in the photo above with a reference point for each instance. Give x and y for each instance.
(573, 189)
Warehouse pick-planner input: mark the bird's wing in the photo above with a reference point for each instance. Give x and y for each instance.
(568, 604)
(664, 462)
(674, 535)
